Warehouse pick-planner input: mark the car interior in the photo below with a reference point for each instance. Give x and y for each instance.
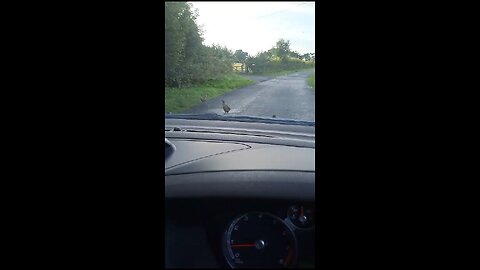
(239, 194)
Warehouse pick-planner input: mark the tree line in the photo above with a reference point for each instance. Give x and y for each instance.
(279, 58)
(188, 61)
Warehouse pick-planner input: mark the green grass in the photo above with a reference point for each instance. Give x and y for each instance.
(311, 81)
(178, 100)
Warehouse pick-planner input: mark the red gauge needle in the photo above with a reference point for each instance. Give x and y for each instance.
(243, 245)
(288, 259)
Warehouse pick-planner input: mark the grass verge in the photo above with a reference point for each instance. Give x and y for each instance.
(178, 100)
(311, 81)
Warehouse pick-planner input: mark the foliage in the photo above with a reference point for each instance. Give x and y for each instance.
(187, 60)
(311, 81)
(240, 56)
(279, 58)
(309, 57)
(178, 100)
(283, 48)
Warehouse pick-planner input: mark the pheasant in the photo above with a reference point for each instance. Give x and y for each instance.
(225, 107)
(203, 99)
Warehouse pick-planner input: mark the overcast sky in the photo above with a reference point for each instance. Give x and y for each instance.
(256, 26)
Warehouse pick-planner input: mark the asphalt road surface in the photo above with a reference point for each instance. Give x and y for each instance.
(287, 97)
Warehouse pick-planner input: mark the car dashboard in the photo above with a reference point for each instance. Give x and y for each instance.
(208, 233)
(239, 195)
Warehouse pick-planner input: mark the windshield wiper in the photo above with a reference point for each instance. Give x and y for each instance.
(240, 118)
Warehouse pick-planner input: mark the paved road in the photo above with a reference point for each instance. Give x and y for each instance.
(257, 78)
(286, 97)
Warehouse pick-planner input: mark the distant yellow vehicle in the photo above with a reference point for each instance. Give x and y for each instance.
(237, 66)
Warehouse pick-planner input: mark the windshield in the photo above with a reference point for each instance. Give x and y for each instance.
(240, 60)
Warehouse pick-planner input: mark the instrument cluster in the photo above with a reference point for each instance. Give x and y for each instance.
(266, 240)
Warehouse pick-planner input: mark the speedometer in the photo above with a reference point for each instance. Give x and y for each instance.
(259, 240)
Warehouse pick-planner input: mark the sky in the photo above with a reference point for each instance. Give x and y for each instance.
(256, 26)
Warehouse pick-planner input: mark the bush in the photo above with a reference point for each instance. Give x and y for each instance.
(264, 65)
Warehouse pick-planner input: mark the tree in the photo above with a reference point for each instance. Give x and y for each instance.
(187, 60)
(240, 56)
(295, 54)
(279, 58)
(271, 53)
(307, 57)
(174, 39)
(250, 64)
(282, 48)
(193, 40)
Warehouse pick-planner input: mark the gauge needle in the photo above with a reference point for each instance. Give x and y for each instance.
(243, 245)
(289, 257)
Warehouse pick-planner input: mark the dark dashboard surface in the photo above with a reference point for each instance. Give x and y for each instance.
(195, 228)
(222, 174)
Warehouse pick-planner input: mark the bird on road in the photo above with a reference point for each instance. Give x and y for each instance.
(203, 99)
(225, 107)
